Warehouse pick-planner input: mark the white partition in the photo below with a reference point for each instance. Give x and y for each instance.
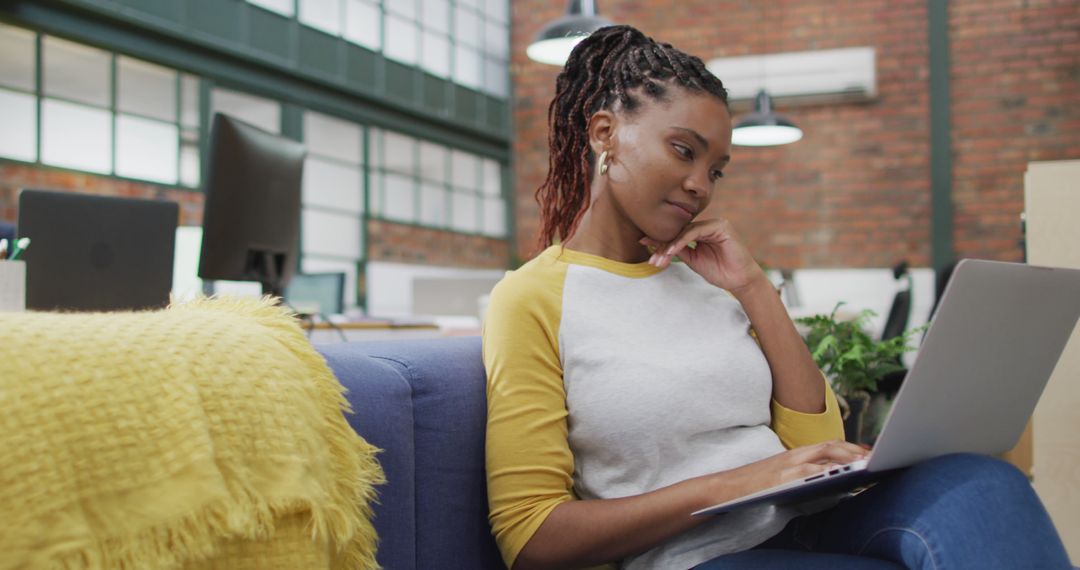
(390, 287)
(1052, 202)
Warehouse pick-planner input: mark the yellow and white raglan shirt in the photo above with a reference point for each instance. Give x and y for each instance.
(610, 379)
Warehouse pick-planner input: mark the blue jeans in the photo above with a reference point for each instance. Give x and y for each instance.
(956, 511)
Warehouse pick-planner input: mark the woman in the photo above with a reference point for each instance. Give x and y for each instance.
(625, 392)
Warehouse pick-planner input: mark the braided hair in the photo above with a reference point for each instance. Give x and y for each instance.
(604, 71)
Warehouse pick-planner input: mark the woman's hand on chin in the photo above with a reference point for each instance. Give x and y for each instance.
(717, 254)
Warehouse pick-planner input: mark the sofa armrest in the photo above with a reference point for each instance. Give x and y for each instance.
(383, 415)
(447, 414)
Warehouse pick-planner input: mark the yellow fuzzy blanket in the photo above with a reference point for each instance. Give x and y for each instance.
(206, 435)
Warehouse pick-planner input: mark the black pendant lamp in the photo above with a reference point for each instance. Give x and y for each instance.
(764, 127)
(557, 39)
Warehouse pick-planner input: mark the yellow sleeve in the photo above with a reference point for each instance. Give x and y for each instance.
(798, 429)
(529, 464)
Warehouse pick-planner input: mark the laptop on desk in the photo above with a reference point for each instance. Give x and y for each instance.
(97, 253)
(986, 358)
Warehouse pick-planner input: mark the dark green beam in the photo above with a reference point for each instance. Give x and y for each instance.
(942, 252)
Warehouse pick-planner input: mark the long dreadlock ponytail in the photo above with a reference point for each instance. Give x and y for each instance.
(601, 72)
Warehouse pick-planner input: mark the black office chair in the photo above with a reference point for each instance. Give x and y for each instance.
(900, 311)
(895, 325)
(942, 282)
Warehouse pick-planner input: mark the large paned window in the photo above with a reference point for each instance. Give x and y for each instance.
(420, 182)
(467, 41)
(333, 199)
(75, 106)
(96, 111)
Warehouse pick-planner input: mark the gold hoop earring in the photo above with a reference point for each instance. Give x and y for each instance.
(603, 163)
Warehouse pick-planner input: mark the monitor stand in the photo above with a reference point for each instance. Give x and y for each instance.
(267, 267)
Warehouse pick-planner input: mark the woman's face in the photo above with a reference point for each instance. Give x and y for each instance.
(666, 160)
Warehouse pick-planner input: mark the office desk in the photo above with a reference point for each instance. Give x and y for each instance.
(322, 333)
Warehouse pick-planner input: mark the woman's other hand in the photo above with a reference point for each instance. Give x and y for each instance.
(718, 255)
(786, 467)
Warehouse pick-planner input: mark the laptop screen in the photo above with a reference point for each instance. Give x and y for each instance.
(96, 253)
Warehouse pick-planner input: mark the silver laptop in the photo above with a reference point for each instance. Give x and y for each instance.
(997, 335)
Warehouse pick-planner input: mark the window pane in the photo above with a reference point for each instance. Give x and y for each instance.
(332, 185)
(433, 205)
(75, 136)
(399, 152)
(189, 101)
(468, 66)
(16, 57)
(463, 167)
(491, 180)
(433, 162)
(464, 212)
(18, 115)
(436, 56)
(283, 7)
(400, 198)
(189, 165)
(147, 149)
(311, 264)
(496, 40)
(263, 113)
(496, 78)
(498, 10)
(145, 89)
(330, 234)
(323, 15)
(467, 27)
(404, 8)
(362, 24)
(473, 3)
(436, 15)
(332, 137)
(494, 217)
(76, 72)
(400, 39)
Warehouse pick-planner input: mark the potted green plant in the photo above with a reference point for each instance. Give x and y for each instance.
(854, 363)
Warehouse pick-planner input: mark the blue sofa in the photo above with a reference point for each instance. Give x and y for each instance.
(423, 402)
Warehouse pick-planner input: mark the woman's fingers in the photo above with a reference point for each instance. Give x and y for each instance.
(823, 458)
(694, 231)
(802, 471)
(833, 451)
(649, 242)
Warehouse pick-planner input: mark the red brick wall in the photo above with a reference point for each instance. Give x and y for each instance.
(14, 177)
(1016, 98)
(856, 190)
(411, 244)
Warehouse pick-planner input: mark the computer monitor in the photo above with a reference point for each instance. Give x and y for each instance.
(97, 253)
(251, 216)
(316, 293)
